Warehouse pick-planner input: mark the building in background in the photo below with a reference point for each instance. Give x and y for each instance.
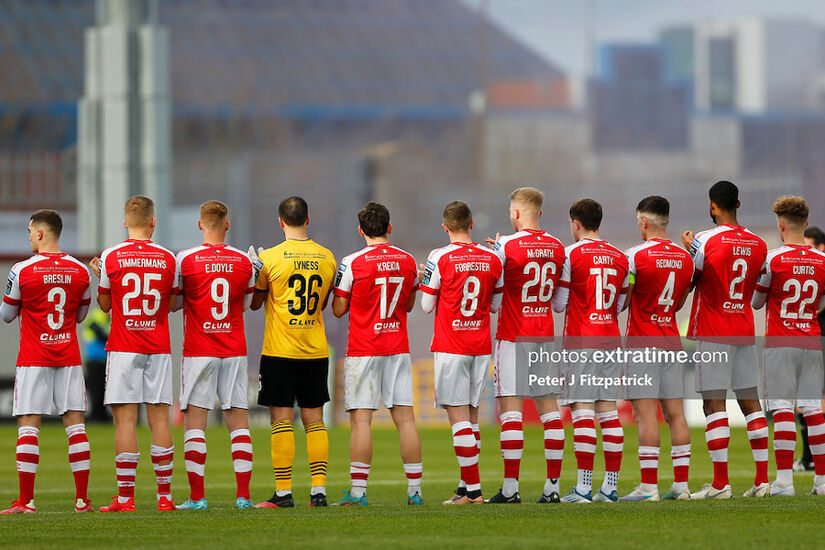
(757, 65)
(632, 104)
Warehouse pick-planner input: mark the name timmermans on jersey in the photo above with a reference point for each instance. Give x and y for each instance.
(155, 263)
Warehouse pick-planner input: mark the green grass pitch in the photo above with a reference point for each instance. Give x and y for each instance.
(388, 522)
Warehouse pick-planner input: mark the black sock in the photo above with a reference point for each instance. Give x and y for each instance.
(472, 495)
(461, 491)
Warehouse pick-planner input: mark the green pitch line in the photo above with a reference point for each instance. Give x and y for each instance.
(388, 522)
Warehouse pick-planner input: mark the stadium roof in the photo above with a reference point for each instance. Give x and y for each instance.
(288, 58)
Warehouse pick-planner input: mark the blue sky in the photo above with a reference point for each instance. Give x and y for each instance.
(556, 28)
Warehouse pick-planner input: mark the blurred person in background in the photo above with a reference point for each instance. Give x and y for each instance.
(95, 333)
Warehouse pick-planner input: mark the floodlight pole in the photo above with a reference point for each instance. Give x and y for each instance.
(124, 128)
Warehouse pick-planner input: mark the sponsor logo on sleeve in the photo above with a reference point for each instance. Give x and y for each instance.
(10, 282)
(428, 273)
(694, 246)
(340, 275)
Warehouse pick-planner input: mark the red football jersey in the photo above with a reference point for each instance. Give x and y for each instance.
(661, 273)
(794, 280)
(140, 276)
(463, 277)
(214, 280)
(533, 262)
(48, 288)
(727, 261)
(378, 281)
(596, 274)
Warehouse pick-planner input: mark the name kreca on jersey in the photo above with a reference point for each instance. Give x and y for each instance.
(378, 281)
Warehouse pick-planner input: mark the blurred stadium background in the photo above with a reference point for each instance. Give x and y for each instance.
(409, 102)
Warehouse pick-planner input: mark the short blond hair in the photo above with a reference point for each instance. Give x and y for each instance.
(139, 211)
(794, 210)
(530, 197)
(214, 214)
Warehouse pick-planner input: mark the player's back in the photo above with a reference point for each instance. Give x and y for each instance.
(533, 261)
(661, 273)
(794, 280)
(596, 274)
(214, 281)
(48, 288)
(298, 275)
(464, 276)
(140, 276)
(378, 281)
(727, 260)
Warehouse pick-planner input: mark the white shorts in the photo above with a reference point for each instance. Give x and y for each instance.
(513, 370)
(203, 377)
(793, 377)
(740, 371)
(459, 379)
(138, 378)
(48, 390)
(585, 379)
(668, 380)
(367, 379)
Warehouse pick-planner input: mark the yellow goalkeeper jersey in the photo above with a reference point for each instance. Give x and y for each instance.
(298, 276)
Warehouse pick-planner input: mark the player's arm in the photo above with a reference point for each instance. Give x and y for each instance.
(629, 296)
(683, 299)
(763, 285)
(631, 277)
(498, 290)
(10, 308)
(261, 284)
(104, 288)
(430, 285)
(622, 301)
(85, 301)
(411, 300)
(562, 294)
